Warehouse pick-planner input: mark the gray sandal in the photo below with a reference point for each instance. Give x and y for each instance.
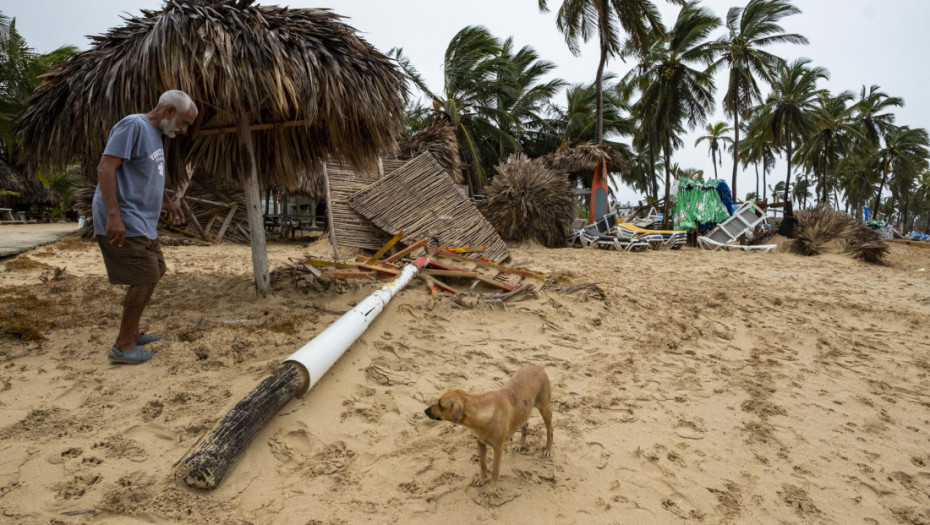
(134, 356)
(145, 339)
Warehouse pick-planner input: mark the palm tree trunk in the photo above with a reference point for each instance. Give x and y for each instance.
(713, 158)
(881, 186)
(652, 166)
(765, 168)
(735, 147)
(668, 178)
(599, 91)
(757, 178)
(788, 178)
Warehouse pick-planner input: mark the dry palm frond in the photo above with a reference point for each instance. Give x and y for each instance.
(582, 159)
(527, 201)
(10, 181)
(867, 245)
(438, 139)
(317, 87)
(821, 225)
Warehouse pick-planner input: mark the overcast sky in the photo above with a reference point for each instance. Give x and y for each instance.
(859, 41)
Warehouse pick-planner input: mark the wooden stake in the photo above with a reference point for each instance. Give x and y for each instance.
(231, 436)
(190, 213)
(329, 214)
(249, 178)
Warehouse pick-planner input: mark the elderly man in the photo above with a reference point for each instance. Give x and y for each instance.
(128, 201)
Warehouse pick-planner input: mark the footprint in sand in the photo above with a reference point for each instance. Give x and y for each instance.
(690, 429)
(590, 454)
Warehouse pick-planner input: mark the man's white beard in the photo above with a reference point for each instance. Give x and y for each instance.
(169, 127)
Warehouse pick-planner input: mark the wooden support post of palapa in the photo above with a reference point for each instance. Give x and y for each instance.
(249, 178)
(208, 464)
(329, 213)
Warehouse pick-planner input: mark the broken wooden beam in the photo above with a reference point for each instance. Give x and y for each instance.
(487, 263)
(387, 246)
(409, 249)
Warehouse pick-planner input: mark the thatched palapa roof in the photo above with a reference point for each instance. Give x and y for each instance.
(581, 160)
(307, 84)
(28, 190)
(438, 139)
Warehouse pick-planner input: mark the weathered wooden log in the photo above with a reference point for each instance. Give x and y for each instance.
(232, 435)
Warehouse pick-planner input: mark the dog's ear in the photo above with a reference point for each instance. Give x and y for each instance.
(458, 408)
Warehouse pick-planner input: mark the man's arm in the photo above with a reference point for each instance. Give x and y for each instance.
(106, 176)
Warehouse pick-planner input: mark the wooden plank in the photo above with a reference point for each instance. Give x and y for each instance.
(438, 284)
(193, 217)
(226, 223)
(253, 127)
(387, 246)
(409, 249)
(487, 263)
(329, 264)
(465, 249)
(456, 274)
(379, 269)
(209, 227)
(349, 274)
(494, 282)
(249, 178)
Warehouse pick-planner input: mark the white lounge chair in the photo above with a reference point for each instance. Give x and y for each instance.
(709, 244)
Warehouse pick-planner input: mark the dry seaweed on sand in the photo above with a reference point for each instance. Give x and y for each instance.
(821, 225)
(527, 201)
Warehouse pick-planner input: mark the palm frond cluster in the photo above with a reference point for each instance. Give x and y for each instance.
(311, 84)
(822, 225)
(527, 201)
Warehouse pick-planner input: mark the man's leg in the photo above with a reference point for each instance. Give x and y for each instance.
(136, 298)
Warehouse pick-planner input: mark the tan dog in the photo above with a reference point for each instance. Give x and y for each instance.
(495, 416)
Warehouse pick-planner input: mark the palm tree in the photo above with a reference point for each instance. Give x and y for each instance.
(858, 176)
(788, 109)
(675, 89)
(491, 95)
(904, 155)
(873, 117)
(758, 148)
(749, 30)
(579, 20)
(831, 139)
(715, 138)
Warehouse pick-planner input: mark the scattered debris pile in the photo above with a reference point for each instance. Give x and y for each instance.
(471, 280)
(215, 213)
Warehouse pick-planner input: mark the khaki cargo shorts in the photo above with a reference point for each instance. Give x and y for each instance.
(138, 261)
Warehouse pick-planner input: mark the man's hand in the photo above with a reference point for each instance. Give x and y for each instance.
(175, 212)
(116, 231)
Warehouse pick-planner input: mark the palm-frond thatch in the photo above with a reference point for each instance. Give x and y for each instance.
(526, 201)
(822, 225)
(581, 160)
(305, 82)
(21, 190)
(440, 140)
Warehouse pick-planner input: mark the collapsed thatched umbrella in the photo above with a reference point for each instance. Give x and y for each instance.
(279, 90)
(580, 161)
(440, 140)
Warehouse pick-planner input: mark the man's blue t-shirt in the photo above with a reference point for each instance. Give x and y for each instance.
(140, 179)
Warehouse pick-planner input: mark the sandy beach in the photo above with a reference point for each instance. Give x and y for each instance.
(702, 387)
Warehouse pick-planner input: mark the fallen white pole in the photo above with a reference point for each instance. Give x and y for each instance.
(205, 468)
(322, 352)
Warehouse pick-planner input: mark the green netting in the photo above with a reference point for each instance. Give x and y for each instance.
(698, 202)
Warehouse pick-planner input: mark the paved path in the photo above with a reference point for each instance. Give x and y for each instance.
(17, 238)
